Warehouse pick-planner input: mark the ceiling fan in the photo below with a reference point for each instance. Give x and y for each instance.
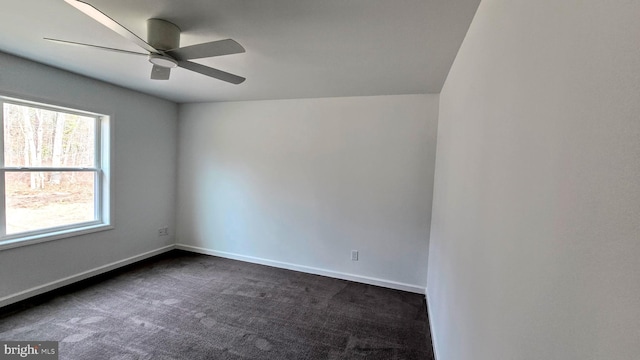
(163, 46)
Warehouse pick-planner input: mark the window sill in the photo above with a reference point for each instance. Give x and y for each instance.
(53, 235)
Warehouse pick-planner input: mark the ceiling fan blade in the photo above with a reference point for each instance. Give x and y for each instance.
(211, 72)
(160, 73)
(208, 49)
(105, 20)
(95, 46)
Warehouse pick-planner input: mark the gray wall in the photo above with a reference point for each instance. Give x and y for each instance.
(300, 183)
(536, 219)
(144, 176)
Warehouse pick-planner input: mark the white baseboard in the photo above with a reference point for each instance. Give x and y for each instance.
(81, 276)
(431, 329)
(306, 269)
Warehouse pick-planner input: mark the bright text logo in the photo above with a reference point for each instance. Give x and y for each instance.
(41, 350)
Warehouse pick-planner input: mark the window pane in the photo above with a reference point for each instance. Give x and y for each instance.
(40, 200)
(37, 137)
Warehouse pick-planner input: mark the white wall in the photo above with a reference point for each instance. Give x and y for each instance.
(300, 183)
(144, 176)
(535, 248)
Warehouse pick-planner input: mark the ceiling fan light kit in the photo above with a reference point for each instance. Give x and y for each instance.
(163, 46)
(162, 61)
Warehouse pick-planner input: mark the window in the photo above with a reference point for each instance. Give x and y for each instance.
(54, 169)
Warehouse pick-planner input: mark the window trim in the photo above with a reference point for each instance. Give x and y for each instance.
(102, 169)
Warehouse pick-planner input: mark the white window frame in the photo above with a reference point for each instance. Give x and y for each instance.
(103, 196)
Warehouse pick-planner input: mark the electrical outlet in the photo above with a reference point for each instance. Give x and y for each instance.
(354, 255)
(163, 231)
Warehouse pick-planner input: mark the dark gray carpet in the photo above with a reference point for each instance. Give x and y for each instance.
(188, 306)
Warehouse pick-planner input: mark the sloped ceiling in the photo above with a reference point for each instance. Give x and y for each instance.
(294, 48)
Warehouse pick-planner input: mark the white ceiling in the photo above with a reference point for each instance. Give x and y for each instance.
(295, 48)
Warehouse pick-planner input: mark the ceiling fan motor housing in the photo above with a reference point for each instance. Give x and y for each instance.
(162, 34)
